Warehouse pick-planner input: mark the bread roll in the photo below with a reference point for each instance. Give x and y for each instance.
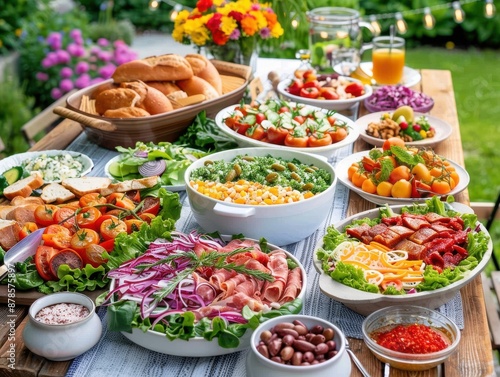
(166, 87)
(139, 87)
(196, 85)
(102, 88)
(156, 102)
(116, 98)
(202, 67)
(169, 67)
(126, 112)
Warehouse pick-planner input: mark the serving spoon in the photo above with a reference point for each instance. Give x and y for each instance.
(356, 360)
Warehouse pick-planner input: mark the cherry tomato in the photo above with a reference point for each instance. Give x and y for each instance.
(147, 217)
(108, 245)
(358, 178)
(83, 238)
(299, 119)
(150, 205)
(28, 227)
(110, 228)
(312, 84)
(384, 188)
(42, 256)
(421, 172)
(59, 240)
(392, 141)
(87, 217)
(260, 117)
(312, 93)
(401, 172)
(66, 256)
(319, 140)
(256, 132)
(295, 86)
(65, 216)
(93, 199)
(133, 225)
(44, 214)
(441, 187)
(296, 141)
(337, 134)
(356, 89)
(401, 189)
(57, 228)
(352, 169)
(284, 109)
(310, 75)
(120, 200)
(369, 186)
(277, 135)
(241, 128)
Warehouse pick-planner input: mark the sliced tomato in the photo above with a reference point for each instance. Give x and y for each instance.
(44, 214)
(93, 199)
(57, 240)
(150, 205)
(296, 141)
(277, 135)
(295, 86)
(42, 256)
(356, 89)
(56, 228)
(65, 216)
(87, 217)
(311, 93)
(319, 140)
(93, 255)
(133, 225)
(110, 228)
(28, 227)
(83, 238)
(65, 256)
(109, 245)
(147, 217)
(328, 93)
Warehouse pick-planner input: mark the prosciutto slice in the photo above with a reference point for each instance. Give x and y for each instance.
(279, 269)
(293, 286)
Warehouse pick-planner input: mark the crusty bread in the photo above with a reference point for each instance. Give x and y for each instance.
(156, 102)
(137, 86)
(9, 233)
(203, 68)
(102, 88)
(55, 192)
(85, 185)
(196, 85)
(126, 112)
(166, 87)
(24, 187)
(21, 201)
(131, 184)
(168, 67)
(116, 98)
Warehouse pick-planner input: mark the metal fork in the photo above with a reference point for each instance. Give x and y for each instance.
(356, 360)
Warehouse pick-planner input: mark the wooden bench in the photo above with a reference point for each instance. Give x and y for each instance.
(491, 287)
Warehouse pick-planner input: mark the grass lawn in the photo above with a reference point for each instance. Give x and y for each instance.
(476, 80)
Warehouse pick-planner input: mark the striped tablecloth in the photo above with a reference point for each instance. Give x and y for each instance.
(115, 355)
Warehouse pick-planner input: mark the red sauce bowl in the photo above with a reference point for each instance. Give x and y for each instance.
(388, 318)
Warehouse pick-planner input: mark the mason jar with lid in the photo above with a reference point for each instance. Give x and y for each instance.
(335, 39)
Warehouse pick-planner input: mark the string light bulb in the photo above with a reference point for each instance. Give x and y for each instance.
(429, 20)
(489, 9)
(375, 25)
(401, 24)
(153, 5)
(458, 12)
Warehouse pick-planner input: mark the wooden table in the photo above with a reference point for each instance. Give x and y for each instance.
(474, 357)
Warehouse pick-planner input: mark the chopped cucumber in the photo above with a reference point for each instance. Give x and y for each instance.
(13, 175)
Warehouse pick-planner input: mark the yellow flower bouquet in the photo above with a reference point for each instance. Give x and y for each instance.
(230, 30)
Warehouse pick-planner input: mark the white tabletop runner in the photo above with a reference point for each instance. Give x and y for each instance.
(115, 355)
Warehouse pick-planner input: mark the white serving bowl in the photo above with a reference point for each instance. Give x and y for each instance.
(62, 341)
(366, 303)
(280, 224)
(198, 346)
(408, 315)
(247, 142)
(258, 365)
(336, 104)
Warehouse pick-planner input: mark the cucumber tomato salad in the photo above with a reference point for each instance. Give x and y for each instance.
(287, 123)
(442, 251)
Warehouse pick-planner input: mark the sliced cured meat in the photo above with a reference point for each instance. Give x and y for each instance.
(415, 223)
(435, 259)
(451, 260)
(440, 245)
(460, 237)
(456, 223)
(439, 227)
(239, 300)
(293, 285)
(228, 286)
(272, 291)
(358, 230)
(433, 217)
(460, 250)
(389, 238)
(221, 276)
(203, 288)
(423, 235)
(402, 230)
(414, 250)
(394, 220)
(377, 229)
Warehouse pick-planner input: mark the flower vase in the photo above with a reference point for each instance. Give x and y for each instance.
(243, 51)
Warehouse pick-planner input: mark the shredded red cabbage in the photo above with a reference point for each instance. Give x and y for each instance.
(391, 97)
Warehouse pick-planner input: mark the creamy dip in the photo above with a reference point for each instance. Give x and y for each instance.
(61, 314)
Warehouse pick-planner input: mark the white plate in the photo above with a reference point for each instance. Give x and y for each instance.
(366, 302)
(117, 158)
(198, 346)
(244, 141)
(410, 76)
(17, 160)
(337, 105)
(443, 129)
(342, 167)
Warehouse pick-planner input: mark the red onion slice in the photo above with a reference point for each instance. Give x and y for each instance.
(152, 168)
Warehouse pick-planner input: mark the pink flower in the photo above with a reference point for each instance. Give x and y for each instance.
(76, 50)
(54, 40)
(81, 67)
(56, 93)
(66, 72)
(105, 56)
(63, 57)
(82, 81)
(75, 34)
(42, 76)
(66, 85)
(103, 42)
(107, 71)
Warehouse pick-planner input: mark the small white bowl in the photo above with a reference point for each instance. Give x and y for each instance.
(279, 224)
(407, 315)
(65, 341)
(332, 104)
(258, 365)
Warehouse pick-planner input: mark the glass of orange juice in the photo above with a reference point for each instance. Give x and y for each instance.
(388, 58)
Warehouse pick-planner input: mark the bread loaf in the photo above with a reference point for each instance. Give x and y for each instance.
(166, 87)
(169, 67)
(55, 192)
(196, 85)
(24, 187)
(137, 86)
(156, 102)
(102, 88)
(126, 112)
(203, 68)
(85, 185)
(112, 99)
